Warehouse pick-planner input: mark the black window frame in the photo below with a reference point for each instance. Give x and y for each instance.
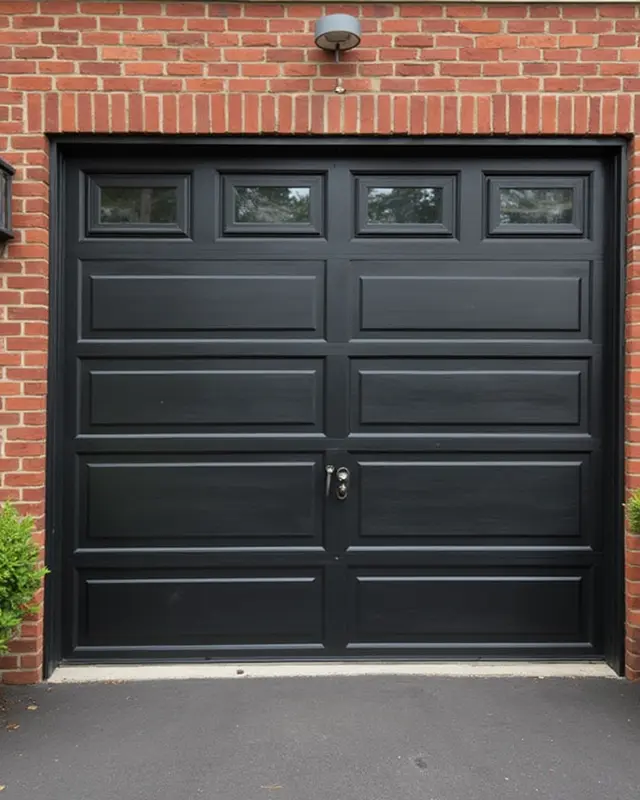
(314, 182)
(578, 184)
(448, 183)
(96, 182)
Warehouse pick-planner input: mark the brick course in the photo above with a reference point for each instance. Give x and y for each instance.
(214, 68)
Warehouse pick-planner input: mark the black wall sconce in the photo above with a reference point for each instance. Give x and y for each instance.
(6, 180)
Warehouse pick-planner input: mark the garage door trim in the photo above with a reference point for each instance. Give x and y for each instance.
(614, 151)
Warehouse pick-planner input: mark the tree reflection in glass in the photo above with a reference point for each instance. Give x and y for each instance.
(536, 206)
(272, 205)
(404, 205)
(131, 205)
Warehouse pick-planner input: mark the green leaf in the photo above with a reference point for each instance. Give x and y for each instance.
(21, 573)
(633, 512)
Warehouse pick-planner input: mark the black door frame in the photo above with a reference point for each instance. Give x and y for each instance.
(614, 153)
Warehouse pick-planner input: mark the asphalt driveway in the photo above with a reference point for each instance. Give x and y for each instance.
(364, 738)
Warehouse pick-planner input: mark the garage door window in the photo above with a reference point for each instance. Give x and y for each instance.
(406, 205)
(541, 205)
(536, 206)
(137, 204)
(289, 205)
(131, 205)
(265, 205)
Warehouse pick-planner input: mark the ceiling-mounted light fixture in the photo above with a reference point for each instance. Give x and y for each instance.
(336, 33)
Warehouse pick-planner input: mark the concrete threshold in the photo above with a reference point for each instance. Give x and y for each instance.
(239, 671)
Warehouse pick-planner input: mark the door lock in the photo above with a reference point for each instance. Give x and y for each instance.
(342, 489)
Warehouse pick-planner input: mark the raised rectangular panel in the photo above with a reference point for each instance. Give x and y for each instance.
(225, 607)
(512, 500)
(402, 303)
(252, 394)
(451, 299)
(517, 606)
(232, 299)
(221, 501)
(481, 393)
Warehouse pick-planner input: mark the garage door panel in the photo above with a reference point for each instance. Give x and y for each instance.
(227, 501)
(516, 500)
(513, 299)
(181, 396)
(436, 326)
(516, 606)
(213, 299)
(513, 394)
(223, 608)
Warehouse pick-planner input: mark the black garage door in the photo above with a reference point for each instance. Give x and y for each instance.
(325, 405)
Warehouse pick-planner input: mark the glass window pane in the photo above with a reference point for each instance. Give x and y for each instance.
(536, 206)
(132, 205)
(271, 205)
(404, 205)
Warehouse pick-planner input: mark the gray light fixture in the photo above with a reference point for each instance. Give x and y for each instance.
(337, 32)
(6, 179)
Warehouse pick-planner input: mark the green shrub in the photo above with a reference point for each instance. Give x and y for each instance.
(20, 573)
(633, 512)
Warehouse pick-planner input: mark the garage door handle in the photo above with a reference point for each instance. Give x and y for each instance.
(329, 469)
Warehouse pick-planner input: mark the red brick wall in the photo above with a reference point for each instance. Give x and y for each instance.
(211, 68)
